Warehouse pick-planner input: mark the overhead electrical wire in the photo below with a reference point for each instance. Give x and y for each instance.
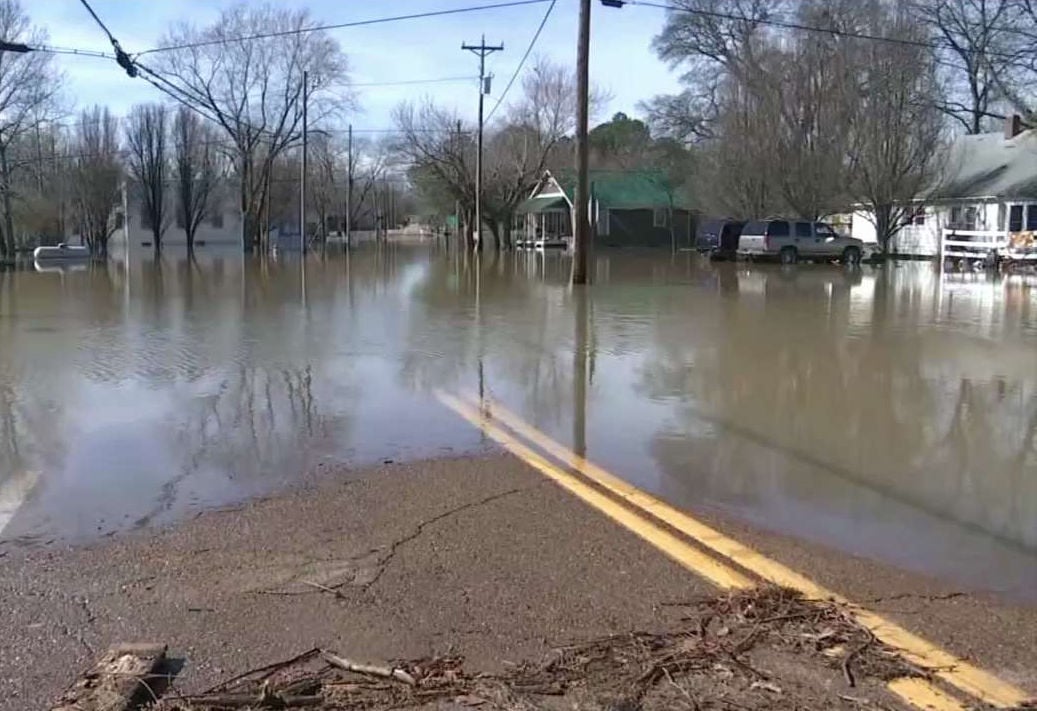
(97, 19)
(784, 24)
(522, 62)
(340, 25)
(405, 82)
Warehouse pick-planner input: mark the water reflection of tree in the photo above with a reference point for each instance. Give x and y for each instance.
(258, 426)
(776, 380)
(494, 310)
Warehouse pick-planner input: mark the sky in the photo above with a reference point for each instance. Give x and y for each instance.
(622, 61)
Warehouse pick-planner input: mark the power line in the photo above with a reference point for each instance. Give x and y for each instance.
(522, 61)
(341, 25)
(406, 82)
(783, 24)
(120, 56)
(73, 51)
(97, 19)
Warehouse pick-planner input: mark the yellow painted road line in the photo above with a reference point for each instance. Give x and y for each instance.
(703, 564)
(923, 695)
(955, 671)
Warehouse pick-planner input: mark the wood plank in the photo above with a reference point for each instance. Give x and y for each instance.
(120, 681)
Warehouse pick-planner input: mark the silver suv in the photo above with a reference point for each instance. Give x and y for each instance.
(793, 240)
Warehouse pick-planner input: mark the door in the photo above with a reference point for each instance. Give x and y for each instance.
(804, 239)
(826, 240)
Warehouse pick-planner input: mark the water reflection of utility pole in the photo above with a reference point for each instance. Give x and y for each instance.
(478, 322)
(581, 349)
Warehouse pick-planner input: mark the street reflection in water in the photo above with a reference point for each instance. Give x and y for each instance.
(890, 413)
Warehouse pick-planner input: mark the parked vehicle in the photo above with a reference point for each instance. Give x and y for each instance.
(790, 241)
(718, 238)
(61, 251)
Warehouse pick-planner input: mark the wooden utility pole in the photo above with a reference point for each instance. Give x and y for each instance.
(581, 227)
(349, 188)
(482, 50)
(302, 175)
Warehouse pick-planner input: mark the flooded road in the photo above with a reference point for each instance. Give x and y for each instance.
(889, 413)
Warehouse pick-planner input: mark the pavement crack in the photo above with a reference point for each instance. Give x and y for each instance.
(911, 596)
(384, 561)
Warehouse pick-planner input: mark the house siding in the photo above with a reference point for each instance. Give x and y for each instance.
(636, 228)
(924, 240)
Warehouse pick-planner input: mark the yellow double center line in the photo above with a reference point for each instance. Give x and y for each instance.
(630, 512)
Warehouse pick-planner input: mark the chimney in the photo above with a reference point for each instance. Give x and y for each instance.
(1013, 126)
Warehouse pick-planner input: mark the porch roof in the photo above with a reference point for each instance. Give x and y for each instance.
(544, 203)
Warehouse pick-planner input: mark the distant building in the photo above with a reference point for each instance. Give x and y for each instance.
(221, 227)
(985, 198)
(628, 208)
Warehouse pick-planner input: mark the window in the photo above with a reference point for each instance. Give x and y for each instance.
(1015, 218)
(1031, 218)
(216, 218)
(659, 217)
(970, 218)
(803, 229)
(963, 218)
(824, 231)
(919, 217)
(778, 228)
(603, 221)
(755, 228)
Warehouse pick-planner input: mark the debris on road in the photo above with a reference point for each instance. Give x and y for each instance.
(120, 681)
(763, 648)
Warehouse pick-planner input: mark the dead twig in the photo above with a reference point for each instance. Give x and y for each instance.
(847, 673)
(263, 671)
(369, 669)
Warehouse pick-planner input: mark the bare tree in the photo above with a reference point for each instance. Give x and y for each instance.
(739, 158)
(148, 165)
(809, 87)
(980, 50)
(253, 88)
(97, 172)
(323, 180)
(713, 42)
(195, 170)
(40, 173)
(897, 133)
(29, 86)
(441, 151)
(370, 163)
(519, 149)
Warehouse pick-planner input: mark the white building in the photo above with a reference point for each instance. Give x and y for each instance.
(220, 228)
(986, 199)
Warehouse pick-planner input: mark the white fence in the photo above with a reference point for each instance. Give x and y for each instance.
(995, 245)
(973, 244)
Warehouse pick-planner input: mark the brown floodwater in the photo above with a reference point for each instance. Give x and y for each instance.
(891, 413)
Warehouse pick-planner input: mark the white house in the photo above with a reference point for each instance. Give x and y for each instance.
(220, 228)
(986, 200)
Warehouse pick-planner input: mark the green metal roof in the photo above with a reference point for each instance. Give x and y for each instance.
(626, 189)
